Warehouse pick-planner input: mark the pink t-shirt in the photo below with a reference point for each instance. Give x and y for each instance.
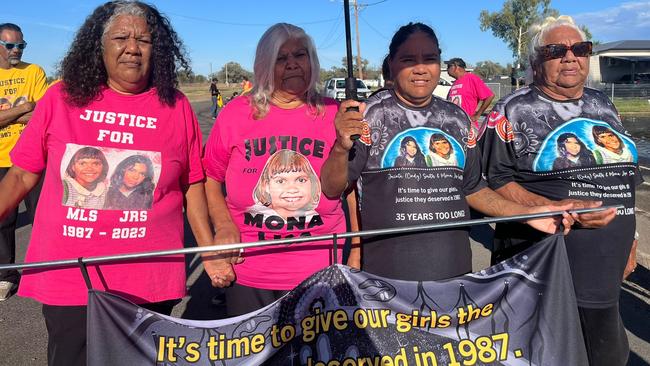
(467, 91)
(132, 148)
(271, 168)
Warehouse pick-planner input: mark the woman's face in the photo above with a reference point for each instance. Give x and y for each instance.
(610, 141)
(411, 149)
(289, 192)
(416, 69)
(292, 69)
(569, 72)
(572, 146)
(441, 147)
(134, 175)
(87, 170)
(127, 54)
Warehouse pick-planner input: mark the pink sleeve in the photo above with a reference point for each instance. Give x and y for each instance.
(482, 90)
(194, 145)
(30, 152)
(217, 155)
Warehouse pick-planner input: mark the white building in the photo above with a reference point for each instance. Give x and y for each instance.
(620, 61)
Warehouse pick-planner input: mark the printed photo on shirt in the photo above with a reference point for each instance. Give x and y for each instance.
(109, 179)
(423, 147)
(5, 104)
(581, 143)
(20, 100)
(287, 187)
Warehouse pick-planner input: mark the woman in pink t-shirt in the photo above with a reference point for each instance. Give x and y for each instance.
(267, 148)
(117, 99)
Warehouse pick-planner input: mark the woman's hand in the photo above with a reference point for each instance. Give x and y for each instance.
(630, 266)
(348, 123)
(219, 265)
(592, 220)
(551, 225)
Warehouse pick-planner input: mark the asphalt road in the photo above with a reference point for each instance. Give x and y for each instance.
(23, 337)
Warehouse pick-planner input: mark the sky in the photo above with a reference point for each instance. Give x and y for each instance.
(216, 32)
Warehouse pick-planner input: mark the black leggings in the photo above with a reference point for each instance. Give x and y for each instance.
(66, 329)
(605, 336)
(242, 299)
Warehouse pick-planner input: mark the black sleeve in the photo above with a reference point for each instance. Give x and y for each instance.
(360, 151)
(499, 159)
(472, 178)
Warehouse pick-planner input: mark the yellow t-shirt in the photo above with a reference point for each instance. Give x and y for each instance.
(20, 84)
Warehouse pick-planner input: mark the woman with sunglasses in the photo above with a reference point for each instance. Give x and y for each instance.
(521, 130)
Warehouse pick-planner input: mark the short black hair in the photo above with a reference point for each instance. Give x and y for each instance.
(10, 26)
(456, 61)
(405, 31)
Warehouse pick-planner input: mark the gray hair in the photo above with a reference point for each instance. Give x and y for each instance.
(265, 58)
(540, 30)
(124, 8)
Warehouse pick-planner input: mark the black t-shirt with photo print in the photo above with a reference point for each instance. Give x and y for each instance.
(575, 149)
(415, 166)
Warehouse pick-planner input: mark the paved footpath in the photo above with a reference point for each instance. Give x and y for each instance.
(23, 336)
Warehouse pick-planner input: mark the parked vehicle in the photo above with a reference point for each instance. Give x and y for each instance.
(640, 78)
(335, 88)
(443, 87)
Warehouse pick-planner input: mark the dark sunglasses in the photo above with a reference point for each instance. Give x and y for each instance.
(10, 46)
(553, 51)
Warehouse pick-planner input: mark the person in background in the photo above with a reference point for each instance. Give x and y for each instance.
(214, 95)
(520, 132)
(468, 90)
(385, 74)
(265, 147)
(24, 84)
(246, 86)
(123, 62)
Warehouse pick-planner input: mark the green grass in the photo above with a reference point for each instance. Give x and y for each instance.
(201, 92)
(632, 106)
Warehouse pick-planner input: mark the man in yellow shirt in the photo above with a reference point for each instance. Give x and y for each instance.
(21, 86)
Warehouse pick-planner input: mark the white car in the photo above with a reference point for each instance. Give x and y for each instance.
(443, 87)
(335, 88)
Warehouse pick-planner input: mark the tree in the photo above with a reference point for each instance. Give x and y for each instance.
(489, 69)
(511, 24)
(236, 73)
(368, 71)
(333, 72)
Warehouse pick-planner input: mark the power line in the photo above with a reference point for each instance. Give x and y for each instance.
(247, 24)
(373, 28)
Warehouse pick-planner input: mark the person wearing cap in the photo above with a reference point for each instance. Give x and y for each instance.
(468, 91)
(23, 84)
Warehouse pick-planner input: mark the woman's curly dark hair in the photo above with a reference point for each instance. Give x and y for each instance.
(83, 71)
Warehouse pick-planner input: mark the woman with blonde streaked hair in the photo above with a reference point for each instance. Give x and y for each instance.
(268, 147)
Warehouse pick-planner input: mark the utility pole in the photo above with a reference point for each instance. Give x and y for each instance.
(211, 77)
(356, 26)
(227, 84)
(518, 57)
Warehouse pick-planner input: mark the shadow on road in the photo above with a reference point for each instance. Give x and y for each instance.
(635, 310)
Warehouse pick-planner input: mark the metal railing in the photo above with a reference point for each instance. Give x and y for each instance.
(333, 237)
